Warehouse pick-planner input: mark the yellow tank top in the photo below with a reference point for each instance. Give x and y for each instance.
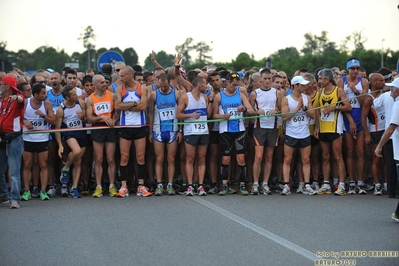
(315, 104)
(328, 123)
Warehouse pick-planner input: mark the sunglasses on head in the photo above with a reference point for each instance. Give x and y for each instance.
(234, 76)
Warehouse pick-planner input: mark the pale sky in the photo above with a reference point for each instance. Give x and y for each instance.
(229, 27)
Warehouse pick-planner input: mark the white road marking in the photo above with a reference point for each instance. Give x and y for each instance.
(279, 240)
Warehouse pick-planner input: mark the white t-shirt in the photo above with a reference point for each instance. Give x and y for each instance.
(395, 135)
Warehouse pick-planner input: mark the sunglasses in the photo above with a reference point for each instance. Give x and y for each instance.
(118, 69)
(41, 82)
(234, 76)
(354, 68)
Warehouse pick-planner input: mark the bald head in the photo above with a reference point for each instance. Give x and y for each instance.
(377, 81)
(97, 79)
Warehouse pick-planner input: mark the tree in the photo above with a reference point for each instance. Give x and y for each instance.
(358, 40)
(87, 36)
(202, 49)
(130, 56)
(317, 44)
(185, 49)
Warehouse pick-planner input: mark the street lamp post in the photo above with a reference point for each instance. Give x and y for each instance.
(382, 52)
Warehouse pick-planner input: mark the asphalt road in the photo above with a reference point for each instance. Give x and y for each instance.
(211, 230)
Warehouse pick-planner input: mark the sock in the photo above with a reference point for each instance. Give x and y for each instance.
(360, 182)
(385, 186)
(342, 184)
(141, 183)
(352, 183)
(335, 180)
(170, 185)
(307, 184)
(224, 171)
(256, 183)
(124, 172)
(111, 185)
(301, 184)
(243, 173)
(288, 184)
(160, 185)
(123, 183)
(378, 185)
(99, 186)
(141, 171)
(184, 182)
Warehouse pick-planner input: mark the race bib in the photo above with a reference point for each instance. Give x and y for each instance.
(327, 117)
(167, 114)
(102, 108)
(74, 123)
(234, 113)
(38, 124)
(299, 120)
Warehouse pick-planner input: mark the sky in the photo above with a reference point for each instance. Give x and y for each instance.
(257, 27)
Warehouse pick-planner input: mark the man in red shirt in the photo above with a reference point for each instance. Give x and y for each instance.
(11, 145)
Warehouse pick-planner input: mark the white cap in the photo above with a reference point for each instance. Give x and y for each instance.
(299, 80)
(394, 83)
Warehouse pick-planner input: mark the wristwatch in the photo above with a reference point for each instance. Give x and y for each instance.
(134, 104)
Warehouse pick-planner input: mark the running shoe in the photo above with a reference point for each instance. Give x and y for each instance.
(143, 191)
(85, 191)
(279, 188)
(213, 190)
(231, 190)
(112, 191)
(361, 190)
(323, 190)
(286, 191)
(340, 191)
(377, 190)
(224, 191)
(4, 203)
(123, 192)
(315, 186)
(395, 217)
(74, 193)
(158, 191)
(300, 188)
(26, 196)
(201, 191)
(255, 189)
(189, 191)
(35, 192)
(243, 190)
(335, 187)
(64, 176)
(64, 192)
(308, 190)
(352, 190)
(15, 205)
(266, 190)
(98, 193)
(183, 189)
(43, 195)
(170, 190)
(51, 191)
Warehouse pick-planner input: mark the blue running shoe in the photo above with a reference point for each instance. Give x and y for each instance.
(75, 193)
(64, 176)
